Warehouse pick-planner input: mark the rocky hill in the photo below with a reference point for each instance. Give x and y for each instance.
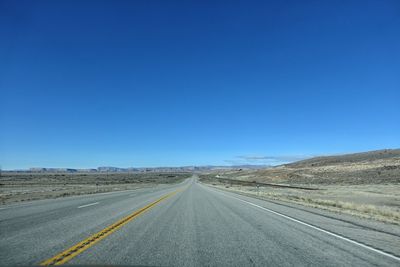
(370, 156)
(373, 167)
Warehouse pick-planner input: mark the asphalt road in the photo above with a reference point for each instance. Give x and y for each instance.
(194, 225)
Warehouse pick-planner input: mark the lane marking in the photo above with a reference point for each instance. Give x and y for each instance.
(77, 249)
(35, 202)
(88, 205)
(318, 229)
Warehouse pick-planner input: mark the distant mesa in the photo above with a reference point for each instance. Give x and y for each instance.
(63, 170)
(368, 156)
(110, 169)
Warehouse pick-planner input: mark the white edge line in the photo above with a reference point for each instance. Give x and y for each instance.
(319, 229)
(88, 205)
(35, 202)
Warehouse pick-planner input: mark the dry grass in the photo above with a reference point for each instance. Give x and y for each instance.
(389, 213)
(20, 187)
(376, 167)
(362, 184)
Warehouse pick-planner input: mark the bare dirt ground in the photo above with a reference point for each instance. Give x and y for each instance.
(363, 184)
(19, 187)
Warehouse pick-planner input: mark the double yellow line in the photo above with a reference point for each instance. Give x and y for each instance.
(75, 250)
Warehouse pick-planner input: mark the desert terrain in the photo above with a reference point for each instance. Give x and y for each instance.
(362, 184)
(20, 187)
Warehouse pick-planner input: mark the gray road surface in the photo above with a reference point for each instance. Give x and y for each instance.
(198, 226)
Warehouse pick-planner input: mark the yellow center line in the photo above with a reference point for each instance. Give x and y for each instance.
(75, 250)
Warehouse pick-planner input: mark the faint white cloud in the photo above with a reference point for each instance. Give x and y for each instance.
(265, 160)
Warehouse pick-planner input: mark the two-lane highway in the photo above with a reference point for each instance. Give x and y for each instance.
(188, 224)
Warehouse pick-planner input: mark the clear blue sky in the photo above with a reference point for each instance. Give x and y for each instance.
(152, 83)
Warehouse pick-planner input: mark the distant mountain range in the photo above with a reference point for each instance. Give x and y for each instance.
(109, 169)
